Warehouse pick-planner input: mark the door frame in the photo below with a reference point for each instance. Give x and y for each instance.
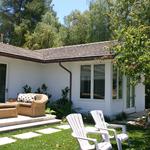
(6, 83)
(131, 109)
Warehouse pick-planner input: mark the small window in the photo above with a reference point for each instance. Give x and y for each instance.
(114, 92)
(99, 81)
(85, 81)
(120, 84)
(117, 84)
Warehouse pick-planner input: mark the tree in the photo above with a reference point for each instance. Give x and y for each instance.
(130, 22)
(21, 16)
(75, 29)
(99, 29)
(45, 34)
(86, 27)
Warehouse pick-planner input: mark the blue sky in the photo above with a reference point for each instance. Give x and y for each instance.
(64, 7)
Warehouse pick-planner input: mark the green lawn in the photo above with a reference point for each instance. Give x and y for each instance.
(139, 139)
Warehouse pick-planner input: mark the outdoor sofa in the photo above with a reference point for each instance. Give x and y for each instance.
(8, 110)
(31, 104)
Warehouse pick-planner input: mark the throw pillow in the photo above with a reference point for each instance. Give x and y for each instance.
(26, 98)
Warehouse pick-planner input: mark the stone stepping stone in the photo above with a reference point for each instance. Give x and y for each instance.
(6, 140)
(27, 135)
(48, 130)
(63, 127)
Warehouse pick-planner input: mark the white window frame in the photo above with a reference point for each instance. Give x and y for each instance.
(118, 74)
(92, 82)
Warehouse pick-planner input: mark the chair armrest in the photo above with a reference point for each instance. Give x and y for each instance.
(103, 131)
(123, 127)
(84, 138)
(92, 130)
(38, 103)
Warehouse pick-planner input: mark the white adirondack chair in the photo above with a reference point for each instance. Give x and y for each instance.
(76, 123)
(104, 127)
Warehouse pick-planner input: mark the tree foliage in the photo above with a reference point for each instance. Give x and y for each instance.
(89, 26)
(18, 17)
(130, 21)
(45, 34)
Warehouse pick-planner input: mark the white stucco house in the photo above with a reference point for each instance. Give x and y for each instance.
(87, 69)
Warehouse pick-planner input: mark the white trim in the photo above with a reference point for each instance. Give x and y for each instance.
(92, 82)
(130, 109)
(118, 76)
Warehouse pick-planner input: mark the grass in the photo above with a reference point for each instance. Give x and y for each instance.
(139, 139)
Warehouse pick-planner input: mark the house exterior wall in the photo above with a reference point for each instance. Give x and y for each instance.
(109, 106)
(55, 78)
(90, 104)
(20, 72)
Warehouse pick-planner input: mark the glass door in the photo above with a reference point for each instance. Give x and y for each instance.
(2, 82)
(130, 97)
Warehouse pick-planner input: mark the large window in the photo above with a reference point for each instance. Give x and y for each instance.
(92, 81)
(85, 83)
(117, 84)
(99, 81)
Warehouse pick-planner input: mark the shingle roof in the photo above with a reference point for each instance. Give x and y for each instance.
(21, 53)
(67, 53)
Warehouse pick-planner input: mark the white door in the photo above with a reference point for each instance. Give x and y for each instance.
(130, 97)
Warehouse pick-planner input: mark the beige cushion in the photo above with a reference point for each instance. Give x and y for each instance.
(7, 106)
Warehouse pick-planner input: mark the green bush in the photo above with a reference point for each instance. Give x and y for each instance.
(49, 111)
(62, 106)
(87, 118)
(121, 116)
(27, 89)
(43, 90)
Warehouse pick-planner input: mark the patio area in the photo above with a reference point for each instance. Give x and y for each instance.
(19, 122)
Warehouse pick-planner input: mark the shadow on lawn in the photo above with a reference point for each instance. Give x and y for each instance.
(139, 138)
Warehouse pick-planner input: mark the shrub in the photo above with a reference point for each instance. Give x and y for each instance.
(62, 106)
(49, 111)
(121, 116)
(87, 118)
(27, 89)
(43, 90)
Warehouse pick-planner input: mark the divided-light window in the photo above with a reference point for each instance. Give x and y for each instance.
(117, 84)
(92, 81)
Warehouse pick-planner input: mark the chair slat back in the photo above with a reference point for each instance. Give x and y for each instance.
(99, 118)
(100, 123)
(76, 123)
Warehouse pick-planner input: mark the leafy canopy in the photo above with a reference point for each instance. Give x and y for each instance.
(130, 23)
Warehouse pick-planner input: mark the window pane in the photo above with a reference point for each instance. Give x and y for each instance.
(99, 81)
(114, 88)
(133, 96)
(120, 85)
(128, 93)
(85, 83)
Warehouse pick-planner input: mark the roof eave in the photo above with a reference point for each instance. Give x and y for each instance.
(21, 57)
(79, 59)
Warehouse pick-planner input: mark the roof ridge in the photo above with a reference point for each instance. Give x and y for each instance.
(77, 45)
